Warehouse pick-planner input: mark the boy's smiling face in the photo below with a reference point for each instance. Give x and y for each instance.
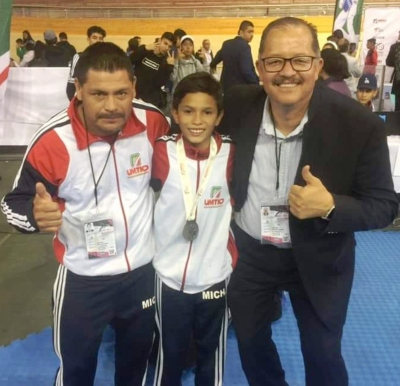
(197, 116)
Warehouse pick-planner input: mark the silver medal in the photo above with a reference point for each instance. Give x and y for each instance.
(190, 230)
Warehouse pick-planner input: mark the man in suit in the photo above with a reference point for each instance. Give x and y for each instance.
(311, 168)
(393, 60)
(352, 64)
(238, 67)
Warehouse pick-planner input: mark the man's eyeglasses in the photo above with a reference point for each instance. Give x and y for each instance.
(298, 63)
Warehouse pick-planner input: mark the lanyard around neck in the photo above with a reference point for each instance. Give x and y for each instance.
(96, 183)
(191, 200)
(277, 149)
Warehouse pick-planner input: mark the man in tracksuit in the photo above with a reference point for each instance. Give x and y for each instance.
(85, 177)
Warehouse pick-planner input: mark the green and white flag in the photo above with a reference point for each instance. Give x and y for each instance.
(5, 24)
(348, 14)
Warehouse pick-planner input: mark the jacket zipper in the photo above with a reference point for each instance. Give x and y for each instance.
(123, 210)
(191, 243)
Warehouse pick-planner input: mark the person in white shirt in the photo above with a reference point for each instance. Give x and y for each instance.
(353, 66)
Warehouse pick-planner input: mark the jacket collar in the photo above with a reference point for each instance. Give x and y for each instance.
(83, 139)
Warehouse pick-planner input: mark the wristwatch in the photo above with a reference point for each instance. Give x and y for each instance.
(329, 214)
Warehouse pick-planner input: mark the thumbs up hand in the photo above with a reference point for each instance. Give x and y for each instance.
(46, 212)
(312, 200)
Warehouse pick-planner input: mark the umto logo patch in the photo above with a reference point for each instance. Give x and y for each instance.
(137, 168)
(215, 199)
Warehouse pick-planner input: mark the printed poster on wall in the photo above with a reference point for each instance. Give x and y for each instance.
(383, 25)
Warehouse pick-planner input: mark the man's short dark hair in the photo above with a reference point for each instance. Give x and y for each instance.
(198, 82)
(343, 45)
(133, 44)
(244, 25)
(169, 36)
(62, 35)
(179, 33)
(372, 40)
(285, 22)
(95, 29)
(102, 56)
(338, 34)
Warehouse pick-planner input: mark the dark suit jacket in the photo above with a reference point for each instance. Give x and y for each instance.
(346, 147)
(391, 62)
(238, 67)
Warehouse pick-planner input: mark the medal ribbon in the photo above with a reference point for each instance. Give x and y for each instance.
(189, 198)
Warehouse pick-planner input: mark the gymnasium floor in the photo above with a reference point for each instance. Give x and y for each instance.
(371, 342)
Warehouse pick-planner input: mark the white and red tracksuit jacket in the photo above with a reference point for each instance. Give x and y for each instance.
(58, 157)
(193, 266)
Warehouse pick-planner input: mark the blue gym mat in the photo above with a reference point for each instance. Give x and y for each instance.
(371, 342)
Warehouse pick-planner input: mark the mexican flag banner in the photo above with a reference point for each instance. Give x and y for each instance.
(5, 23)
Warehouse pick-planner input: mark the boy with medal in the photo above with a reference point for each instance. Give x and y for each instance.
(195, 250)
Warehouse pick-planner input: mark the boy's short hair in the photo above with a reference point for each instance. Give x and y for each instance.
(178, 33)
(372, 40)
(169, 36)
(198, 82)
(96, 29)
(367, 82)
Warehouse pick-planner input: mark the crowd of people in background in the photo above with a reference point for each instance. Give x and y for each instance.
(162, 64)
(295, 182)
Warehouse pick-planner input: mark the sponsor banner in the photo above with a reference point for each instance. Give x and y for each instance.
(383, 25)
(348, 14)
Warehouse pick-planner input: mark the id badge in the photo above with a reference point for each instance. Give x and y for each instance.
(275, 225)
(100, 238)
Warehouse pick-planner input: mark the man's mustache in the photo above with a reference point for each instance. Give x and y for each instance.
(110, 116)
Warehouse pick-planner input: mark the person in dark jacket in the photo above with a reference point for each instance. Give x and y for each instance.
(68, 47)
(55, 55)
(393, 60)
(311, 168)
(39, 59)
(154, 64)
(238, 67)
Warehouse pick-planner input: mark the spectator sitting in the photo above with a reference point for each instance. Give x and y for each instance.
(28, 56)
(55, 55)
(334, 71)
(367, 89)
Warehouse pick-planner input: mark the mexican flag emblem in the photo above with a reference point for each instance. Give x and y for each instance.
(5, 23)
